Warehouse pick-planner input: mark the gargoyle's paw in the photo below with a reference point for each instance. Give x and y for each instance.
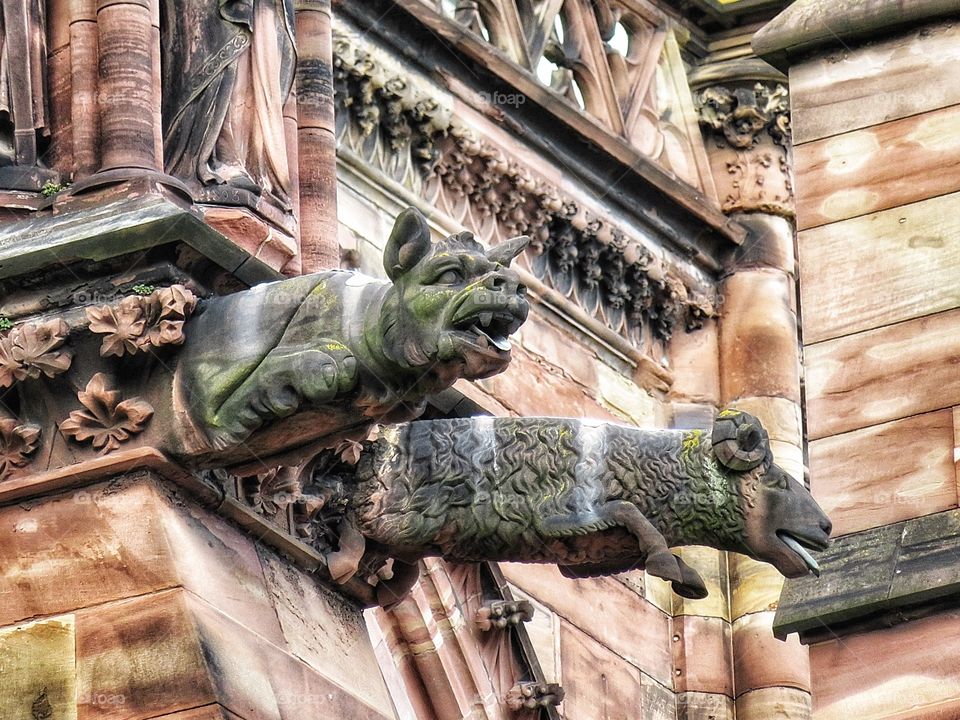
(325, 374)
(692, 586)
(341, 567)
(664, 564)
(281, 400)
(349, 375)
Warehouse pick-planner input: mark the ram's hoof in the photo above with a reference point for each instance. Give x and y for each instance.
(692, 586)
(664, 565)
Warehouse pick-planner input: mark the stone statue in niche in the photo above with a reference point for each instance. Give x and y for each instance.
(228, 68)
(23, 113)
(337, 351)
(593, 498)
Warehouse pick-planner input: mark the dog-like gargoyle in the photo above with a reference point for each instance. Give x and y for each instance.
(593, 498)
(326, 354)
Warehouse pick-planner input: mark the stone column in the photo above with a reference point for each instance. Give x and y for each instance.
(128, 98)
(85, 118)
(744, 110)
(316, 137)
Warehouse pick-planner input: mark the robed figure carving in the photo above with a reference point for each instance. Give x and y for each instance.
(228, 68)
(23, 116)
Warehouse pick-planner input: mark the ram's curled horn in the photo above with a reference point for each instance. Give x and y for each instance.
(505, 252)
(739, 440)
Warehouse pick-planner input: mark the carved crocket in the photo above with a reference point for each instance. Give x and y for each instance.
(593, 498)
(323, 354)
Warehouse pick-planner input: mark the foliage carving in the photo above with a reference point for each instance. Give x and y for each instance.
(18, 441)
(31, 350)
(108, 421)
(138, 323)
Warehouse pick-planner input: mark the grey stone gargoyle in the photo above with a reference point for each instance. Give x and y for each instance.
(592, 498)
(332, 353)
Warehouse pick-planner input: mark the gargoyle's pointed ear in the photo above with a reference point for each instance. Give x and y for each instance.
(505, 252)
(408, 244)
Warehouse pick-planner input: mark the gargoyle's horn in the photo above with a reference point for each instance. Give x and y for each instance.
(505, 252)
(739, 440)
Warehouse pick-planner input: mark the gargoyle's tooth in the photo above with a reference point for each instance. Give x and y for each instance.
(486, 318)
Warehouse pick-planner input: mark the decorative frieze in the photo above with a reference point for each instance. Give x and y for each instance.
(412, 137)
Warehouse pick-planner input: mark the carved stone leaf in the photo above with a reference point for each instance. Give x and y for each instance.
(138, 323)
(17, 442)
(9, 367)
(29, 351)
(107, 421)
(176, 302)
(272, 491)
(123, 325)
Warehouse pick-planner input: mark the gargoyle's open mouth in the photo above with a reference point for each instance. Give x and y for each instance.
(489, 330)
(801, 546)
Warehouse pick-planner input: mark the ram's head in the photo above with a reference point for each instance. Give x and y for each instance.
(782, 520)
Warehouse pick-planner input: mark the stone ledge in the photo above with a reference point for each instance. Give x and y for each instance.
(808, 25)
(875, 578)
(125, 218)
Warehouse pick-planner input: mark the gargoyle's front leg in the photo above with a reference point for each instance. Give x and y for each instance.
(287, 379)
(658, 560)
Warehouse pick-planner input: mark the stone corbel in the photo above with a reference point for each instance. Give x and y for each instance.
(500, 614)
(533, 695)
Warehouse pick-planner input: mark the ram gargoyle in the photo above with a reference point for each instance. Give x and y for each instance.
(592, 498)
(329, 354)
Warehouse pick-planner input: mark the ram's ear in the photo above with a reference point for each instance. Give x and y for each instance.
(409, 243)
(505, 252)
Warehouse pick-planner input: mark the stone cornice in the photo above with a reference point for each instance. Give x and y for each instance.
(809, 25)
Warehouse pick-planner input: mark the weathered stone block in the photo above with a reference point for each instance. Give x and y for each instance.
(597, 682)
(701, 655)
(905, 671)
(38, 670)
(777, 703)
(704, 706)
(140, 658)
(325, 631)
(758, 337)
(754, 586)
(886, 473)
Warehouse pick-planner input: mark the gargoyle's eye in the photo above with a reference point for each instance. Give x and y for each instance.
(449, 277)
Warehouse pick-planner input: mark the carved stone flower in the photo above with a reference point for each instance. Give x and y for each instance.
(31, 350)
(139, 323)
(17, 442)
(107, 421)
